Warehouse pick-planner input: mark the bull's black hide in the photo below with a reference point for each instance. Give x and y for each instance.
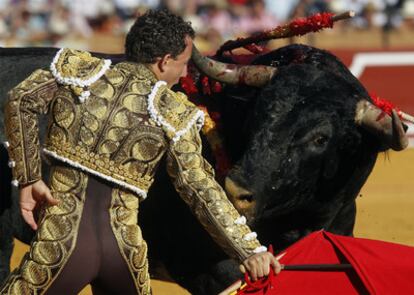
(296, 148)
(305, 159)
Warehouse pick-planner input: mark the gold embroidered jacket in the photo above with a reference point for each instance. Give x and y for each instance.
(117, 123)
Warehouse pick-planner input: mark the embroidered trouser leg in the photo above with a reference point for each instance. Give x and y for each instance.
(94, 255)
(133, 248)
(96, 259)
(55, 239)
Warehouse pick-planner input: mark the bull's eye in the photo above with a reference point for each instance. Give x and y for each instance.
(315, 138)
(320, 140)
(246, 198)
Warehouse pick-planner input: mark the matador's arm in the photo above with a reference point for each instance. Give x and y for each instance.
(26, 101)
(194, 180)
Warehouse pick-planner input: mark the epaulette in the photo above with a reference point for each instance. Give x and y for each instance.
(78, 70)
(172, 111)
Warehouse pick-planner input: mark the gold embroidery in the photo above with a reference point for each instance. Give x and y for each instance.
(97, 107)
(104, 89)
(113, 135)
(56, 239)
(77, 69)
(194, 179)
(101, 164)
(183, 109)
(123, 214)
(45, 253)
(64, 112)
(135, 103)
(114, 77)
(78, 64)
(26, 101)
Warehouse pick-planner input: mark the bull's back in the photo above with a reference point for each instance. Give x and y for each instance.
(18, 63)
(15, 65)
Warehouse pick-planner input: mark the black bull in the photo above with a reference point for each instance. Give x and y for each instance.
(300, 161)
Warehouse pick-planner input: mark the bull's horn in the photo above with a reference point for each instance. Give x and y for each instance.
(388, 128)
(255, 75)
(406, 117)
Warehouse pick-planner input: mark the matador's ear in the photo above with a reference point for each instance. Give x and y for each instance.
(162, 62)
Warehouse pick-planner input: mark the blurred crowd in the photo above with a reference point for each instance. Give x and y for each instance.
(63, 22)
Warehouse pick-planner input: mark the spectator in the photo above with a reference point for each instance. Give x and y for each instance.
(216, 17)
(28, 27)
(258, 18)
(45, 22)
(281, 9)
(181, 7)
(59, 22)
(4, 19)
(126, 9)
(308, 7)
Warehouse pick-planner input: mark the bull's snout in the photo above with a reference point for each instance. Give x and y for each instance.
(242, 199)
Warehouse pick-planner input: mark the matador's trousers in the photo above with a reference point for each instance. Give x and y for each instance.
(91, 236)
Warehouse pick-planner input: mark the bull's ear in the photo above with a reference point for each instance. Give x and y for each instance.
(389, 129)
(251, 75)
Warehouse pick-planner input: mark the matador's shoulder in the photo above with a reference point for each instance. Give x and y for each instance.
(173, 111)
(78, 69)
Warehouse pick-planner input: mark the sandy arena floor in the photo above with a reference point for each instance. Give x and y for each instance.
(385, 209)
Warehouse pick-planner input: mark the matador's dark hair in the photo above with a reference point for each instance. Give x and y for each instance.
(155, 34)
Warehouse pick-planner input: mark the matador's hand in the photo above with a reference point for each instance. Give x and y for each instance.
(31, 197)
(259, 265)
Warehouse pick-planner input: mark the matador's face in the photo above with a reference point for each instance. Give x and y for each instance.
(175, 68)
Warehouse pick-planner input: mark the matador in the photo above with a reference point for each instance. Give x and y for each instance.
(108, 128)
